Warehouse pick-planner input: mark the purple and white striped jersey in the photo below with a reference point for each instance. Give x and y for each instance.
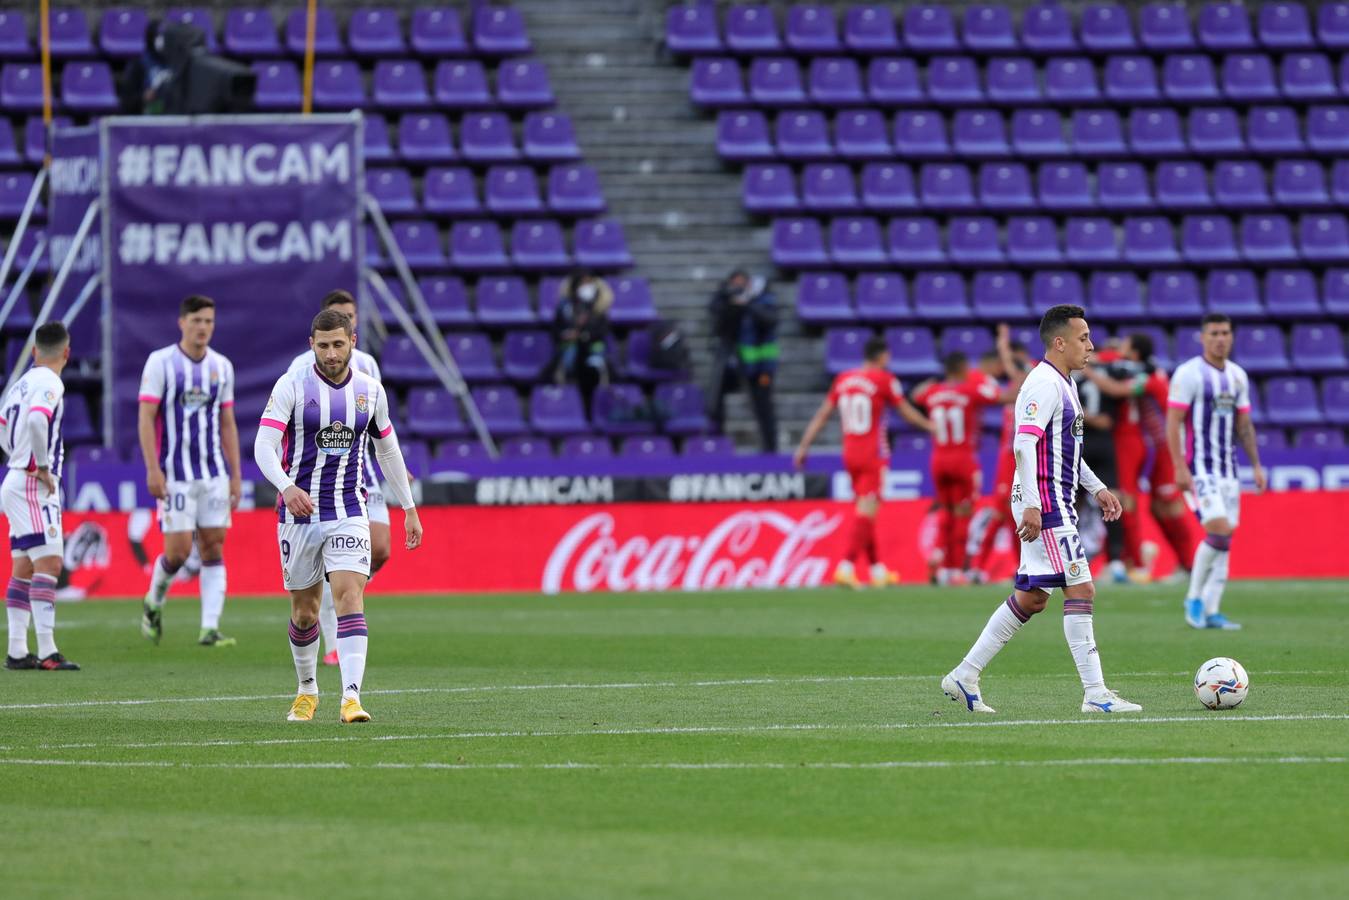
(39, 392)
(325, 426)
(1048, 407)
(365, 364)
(1213, 397)
(190, 393)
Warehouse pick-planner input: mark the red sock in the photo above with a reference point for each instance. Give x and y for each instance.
(990, 541)
(867, 528)
(960, 536)
(944, 535)
(856, 539)
(1179, 536)
(1133, 538)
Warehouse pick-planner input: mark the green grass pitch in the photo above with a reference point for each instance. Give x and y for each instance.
(726, 745)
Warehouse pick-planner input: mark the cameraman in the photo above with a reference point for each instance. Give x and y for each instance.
(580, 332)
(744, 316)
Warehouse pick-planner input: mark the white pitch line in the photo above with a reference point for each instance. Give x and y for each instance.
(695, 766)
(610, 686)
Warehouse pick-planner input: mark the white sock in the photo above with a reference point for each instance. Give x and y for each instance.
(304, 649)
(19, 613)
(352, 638)
(1081, 637)
(1204, 558)
(879, 573)
(1002, 625)
(160, 579)
(328, 619)
(212, 593)
(1216, 583)
(42, 595)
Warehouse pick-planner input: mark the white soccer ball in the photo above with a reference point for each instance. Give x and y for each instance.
(1221, 683)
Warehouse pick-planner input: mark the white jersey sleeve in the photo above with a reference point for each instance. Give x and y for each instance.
(152, 380)
(1185, 387)
(1036, 405)
(381, 426)
(1243, 388)
(226, 383)
(280, 408)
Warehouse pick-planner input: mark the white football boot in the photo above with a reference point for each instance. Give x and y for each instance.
(1107, 701)
(965, 692)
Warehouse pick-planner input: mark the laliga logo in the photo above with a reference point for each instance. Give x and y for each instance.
(589, 556)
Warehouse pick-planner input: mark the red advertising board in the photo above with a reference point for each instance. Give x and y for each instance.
(659, 546)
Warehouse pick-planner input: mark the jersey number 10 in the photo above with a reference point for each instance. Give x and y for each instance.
(854, 410)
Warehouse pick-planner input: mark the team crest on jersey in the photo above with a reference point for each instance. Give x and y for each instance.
(194, 398)
(1079, 426)
(336, 439)
(1075, 569)
(51, 396)
(362, 404)
(1031, 409)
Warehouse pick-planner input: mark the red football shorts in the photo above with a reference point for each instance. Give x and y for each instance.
(1163, 478)
(1130, 455)
(955, 478)
(865, 475)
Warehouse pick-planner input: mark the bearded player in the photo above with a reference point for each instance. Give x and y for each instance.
(861, 396)
(312, 447)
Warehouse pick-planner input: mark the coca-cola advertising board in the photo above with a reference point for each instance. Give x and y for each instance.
(653, 546)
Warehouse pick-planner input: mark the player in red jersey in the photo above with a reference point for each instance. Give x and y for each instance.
(953, 404)
(1016, 364)
(861, 396)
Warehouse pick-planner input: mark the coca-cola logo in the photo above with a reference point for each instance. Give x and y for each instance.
(751, 548)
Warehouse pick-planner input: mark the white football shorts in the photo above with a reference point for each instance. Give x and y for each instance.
(310, 551)
(376, 507)
(1055, 559)
(201, 503)
(34, 516)
(1216, 498)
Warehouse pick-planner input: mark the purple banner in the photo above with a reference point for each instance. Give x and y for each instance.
(260, 213)
(74, 185)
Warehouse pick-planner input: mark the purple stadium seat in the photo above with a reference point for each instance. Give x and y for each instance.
(327, 39)
(798, 243)
(199, 17)
(425, 138)
(524, 84)
(775, 81)
(692, 29)
(1234, 292)
(400, 84)
(843, 348)
(1284, 26)
(988, 29)
(862, 134)
(811, 30)
(751, 29)
(556, 411)
(1249, 77)
(1224, 26)
(586, 446)
(539, 246)
(1328, 129)
(451, 455)
(472, 352)
(1267, 238)
(946, 187)
(893, 81)
(601, 245)
(1097, 133)
(1013, 80)
(742, 136)
(450, 191)
(549, 137)
(374, 249)
(499, 31)
(574, 190)
(401, 362)
(21, 87)
(954, 81)
(855, 243)
(999, 296)
(1274, 130)
(1240, 185)
(477, 246)
(1038, 133)
(973, 241)
(1324, 238)
(1064, 187)
(633, 303)
(375, 31)
(1189, 78)
(973, 341)
(869, 29)
(1115, 297)
(420, 242)
(1123, 186)
(1149, 241)
(512, 191)
(888, 187)
(1071, 80)
(915, 242)
(682, 407)
(621, 409)
(1339, 183)
(921, 134)
(9, 147)
(913, 351)
(828, 188)
(1335, 396)
(1106, 28)
(1209, 240)
(14, 190)
(524, 355)
(503, 302)
(716, 82)
(980, 133)
(433, 414)
(525, 448)
(1165, 26)
(1320, 347)
(1332, 25)
(1174, 296)
(822, 299)
(77, 425)
(447, 299)
(940, 297)
(1300, 183)
(1215, 131)
(1050, 288)
(1182, 186)
(1005, 187)
(338, 85)
(121, 33)
(1315, 437)
(437, 32)
(1307, 76)
(768, 189)
(251, 33)
(14, 40)
(69, 34)
(651, 447)
(1292, 401)
(1292, 294)
(883, 297)
(500, 410)
(1335, 292)
(392, 190)
(930, 29)
(278, 88)
(702, 446)
(87, 87)
(1156, 132)
(1090, 241)
(1048, 28)
(487, 137)
(462, 84)
(835, 82)
(1033, 240)
(803, 136)
(1131, 79)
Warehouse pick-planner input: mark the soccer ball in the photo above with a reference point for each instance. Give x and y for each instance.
(1221, 683)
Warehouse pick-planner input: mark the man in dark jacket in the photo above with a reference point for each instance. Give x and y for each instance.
(744, 317)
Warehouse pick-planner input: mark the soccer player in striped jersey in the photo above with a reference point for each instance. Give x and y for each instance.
(376, 507)
(190, 443)
(1211, 399)
(1049, 469)
(311, 446)
(30, 435)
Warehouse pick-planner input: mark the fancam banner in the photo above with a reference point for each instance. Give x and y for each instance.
(260, 213)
